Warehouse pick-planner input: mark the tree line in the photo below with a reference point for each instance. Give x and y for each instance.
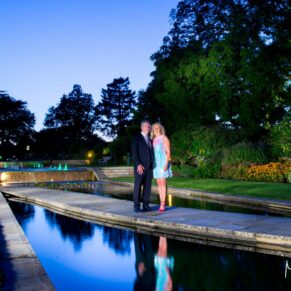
(70, 127)
(221, 74)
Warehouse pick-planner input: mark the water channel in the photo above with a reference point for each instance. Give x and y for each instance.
(80, 255)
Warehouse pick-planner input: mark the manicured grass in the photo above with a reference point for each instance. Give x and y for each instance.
(247, 188)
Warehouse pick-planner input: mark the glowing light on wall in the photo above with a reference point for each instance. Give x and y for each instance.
(3, 177)
(170, 202)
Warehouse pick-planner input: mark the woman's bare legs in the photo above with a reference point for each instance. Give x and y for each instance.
(162, 187)
(162, 251)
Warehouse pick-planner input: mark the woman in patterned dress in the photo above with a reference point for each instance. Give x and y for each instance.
(164, 264)
(162, 168)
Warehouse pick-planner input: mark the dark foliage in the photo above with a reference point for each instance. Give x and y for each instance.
(16, 125)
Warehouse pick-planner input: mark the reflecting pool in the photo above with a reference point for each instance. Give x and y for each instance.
(79, 255)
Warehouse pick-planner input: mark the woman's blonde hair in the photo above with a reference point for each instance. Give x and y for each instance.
(161, 127)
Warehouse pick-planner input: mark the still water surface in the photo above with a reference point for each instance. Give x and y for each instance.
(79, 255)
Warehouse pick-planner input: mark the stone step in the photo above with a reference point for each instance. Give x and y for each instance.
(111, 172)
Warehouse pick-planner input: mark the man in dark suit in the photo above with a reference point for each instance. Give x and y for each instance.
(143, 158)
(144, 263)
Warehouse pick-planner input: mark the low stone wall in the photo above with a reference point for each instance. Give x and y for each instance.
(46, 176)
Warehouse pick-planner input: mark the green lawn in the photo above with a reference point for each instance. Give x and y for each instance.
(254, 189)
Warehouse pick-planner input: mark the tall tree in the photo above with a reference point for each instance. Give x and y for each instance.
(225, 62)
(16, 122)
(74, 115)
(115, 110)
(209, 21)
(148, 107)
(176, 87)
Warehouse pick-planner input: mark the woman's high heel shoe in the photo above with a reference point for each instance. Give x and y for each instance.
(162, 207)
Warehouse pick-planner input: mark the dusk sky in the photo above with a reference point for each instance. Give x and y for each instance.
(47, 46)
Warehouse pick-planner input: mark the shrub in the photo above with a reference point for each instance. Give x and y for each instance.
(194, 145)
(236, 172)
(289, 177)
(180, 147)
(235, 160)
(183, 170)
(207, 170)
(244, 153)
(205, 143)
(280, 138)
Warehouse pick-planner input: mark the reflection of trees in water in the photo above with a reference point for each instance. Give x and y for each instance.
(74, 230)
(118, 239)
(214, 268)
(23, 212)
(77, 231)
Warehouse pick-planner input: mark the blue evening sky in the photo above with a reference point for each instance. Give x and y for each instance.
(47, 46)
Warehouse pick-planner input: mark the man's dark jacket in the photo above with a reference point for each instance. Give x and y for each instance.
(141, 153)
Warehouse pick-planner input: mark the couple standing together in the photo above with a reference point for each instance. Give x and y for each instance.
(151, 154)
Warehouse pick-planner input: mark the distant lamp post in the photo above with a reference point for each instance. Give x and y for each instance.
(27, 149)
(90, 156)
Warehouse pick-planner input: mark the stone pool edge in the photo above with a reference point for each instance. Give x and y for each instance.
(19, 264)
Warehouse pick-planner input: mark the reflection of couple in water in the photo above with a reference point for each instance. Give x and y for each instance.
(163, 265)
(153, 271)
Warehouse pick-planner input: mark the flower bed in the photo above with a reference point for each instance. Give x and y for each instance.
(271, 172)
